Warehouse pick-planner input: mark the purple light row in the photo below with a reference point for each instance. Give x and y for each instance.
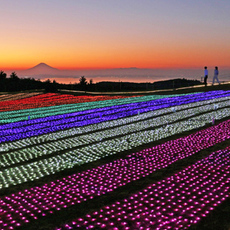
(11, 134)
(177, 202)
(20, 207)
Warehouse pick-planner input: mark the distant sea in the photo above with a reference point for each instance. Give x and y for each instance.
(131, 75)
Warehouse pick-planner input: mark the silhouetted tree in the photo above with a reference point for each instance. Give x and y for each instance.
(83, 82)
(48, 81)
(91, 86)
(50, 87)
(3, 81)
(2, 75)
(14, 76)
(14, 82)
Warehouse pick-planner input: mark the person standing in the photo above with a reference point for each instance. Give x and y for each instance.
(215, 77)
(205, 75)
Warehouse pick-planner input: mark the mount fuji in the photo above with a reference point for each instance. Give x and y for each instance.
(41, 69)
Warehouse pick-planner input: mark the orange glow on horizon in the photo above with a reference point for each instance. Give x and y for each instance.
(25, 67)
(154, 53)
(21, 68)
(150, 57)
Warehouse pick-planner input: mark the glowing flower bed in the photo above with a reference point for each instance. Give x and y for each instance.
(109, 124)
(81, 108)
(69, 159)
(176, 202)
(25, 154)
(8, 97)
(50, 99)
(43, 141)
(13, 131)
(20, 207)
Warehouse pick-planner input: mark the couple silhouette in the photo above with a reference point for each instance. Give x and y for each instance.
(215, 77)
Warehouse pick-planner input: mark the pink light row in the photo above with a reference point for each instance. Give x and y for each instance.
(20, 207)
(177, 202)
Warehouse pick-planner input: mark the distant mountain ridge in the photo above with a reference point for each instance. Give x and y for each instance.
(42, 65)
(41, 68)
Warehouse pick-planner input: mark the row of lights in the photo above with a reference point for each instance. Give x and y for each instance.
(99, 126)
(8, 97)
(176, 202)
(27, 100)
(50, 99)
(207, 179)
(37, 169)
(101, 113)
(77, 109)
(42, 111)
(9, 133)
(28, 153)
(13, 116)
(9, 116)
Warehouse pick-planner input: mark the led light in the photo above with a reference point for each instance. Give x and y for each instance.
(107, 128)
(174, 215)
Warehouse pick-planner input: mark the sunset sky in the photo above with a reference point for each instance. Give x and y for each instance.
(81, 34)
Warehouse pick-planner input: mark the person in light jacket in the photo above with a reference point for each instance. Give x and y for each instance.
(215, 77)
(205, 75)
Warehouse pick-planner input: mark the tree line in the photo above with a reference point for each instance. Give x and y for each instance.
(14, 83)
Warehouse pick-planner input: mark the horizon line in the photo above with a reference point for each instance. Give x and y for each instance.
(109, 68)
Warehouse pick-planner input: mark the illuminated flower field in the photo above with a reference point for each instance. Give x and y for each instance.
(35, 100)
(59, 152)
